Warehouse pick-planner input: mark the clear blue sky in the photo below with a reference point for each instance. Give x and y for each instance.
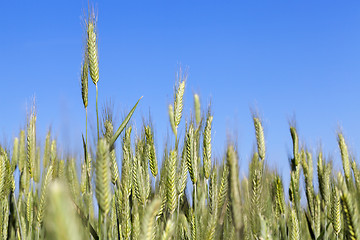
(286, 59)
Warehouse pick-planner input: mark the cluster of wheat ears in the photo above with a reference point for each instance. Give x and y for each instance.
(42, 195)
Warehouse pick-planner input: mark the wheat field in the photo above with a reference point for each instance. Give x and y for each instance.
(143, 194)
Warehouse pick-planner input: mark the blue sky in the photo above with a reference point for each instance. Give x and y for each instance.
(286, 60)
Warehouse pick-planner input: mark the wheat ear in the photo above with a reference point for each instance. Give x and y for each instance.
(169, 230)
(92, 49)
(61, 221)
(31, 143)
(46, 181)
(191, 154)
(172, 121)
(279, 197)
(260, 140)
(148, 228)
(207, 145)
(344, 157)
(84, 79)
(295, 140)
(178, 103)
(232, 163)
(182, 174)
(46, 157)
(2, 176)
(151, 151)
(170, 183)
(102, 180)
(15, 154)
(351, 230)
(22, 155)
(197, 109)
(295, 230)
(336, 211)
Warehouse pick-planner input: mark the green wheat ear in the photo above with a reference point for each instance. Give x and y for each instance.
(344, 157)
(207, 145)
(255, 182)
(61, 221)
(151, 151)
(169, 230)
(8, 181)
(259, 137)
(172, 121)
(125, 212)
(279, 197)
(351, 230)
(84, 79)
(324, 172)
(224, 186)
(356, 172)
(191, 154)
(37, 165)
(92, 49)
(295, 230)
(170, 183)
(46, 157)
(232, 163)
(126, 168)
(336, 211)
(182, 174)
(15, 154)
(109, 132)
(135, 220)
(149, 227)
(213, 203)
(22, 155)
(31, 143)
(103, 177)
(2, 175)
(46, 181)
(295, 140)
(178, 103)
(197, 108)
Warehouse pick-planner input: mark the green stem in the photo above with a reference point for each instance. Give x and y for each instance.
(103, 229)
(18, 216)
(194, 200)
(178, 209)
(97, 113)
(38, 232)
(99, 225)
(325, 221)
(86, 127)
(176, 142)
